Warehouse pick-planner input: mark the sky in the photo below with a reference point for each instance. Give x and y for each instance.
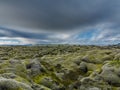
(85, 22)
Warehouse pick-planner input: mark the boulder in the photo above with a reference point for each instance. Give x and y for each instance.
(83, 67)
(10, 84)
(110, 74)
(35, 67)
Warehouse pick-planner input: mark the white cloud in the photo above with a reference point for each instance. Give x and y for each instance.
(15, 41)
(59, 36)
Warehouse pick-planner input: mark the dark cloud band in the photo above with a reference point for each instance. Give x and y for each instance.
(56, 15)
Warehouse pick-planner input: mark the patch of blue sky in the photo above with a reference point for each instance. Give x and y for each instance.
(86, 34)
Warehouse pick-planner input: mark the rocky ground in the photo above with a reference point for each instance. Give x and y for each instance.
(60, 67)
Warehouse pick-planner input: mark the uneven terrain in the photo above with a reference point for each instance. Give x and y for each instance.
(60, 67)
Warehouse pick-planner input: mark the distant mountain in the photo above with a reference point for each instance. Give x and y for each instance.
(118, 44)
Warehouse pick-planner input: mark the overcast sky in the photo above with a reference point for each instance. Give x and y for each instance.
(59, 22)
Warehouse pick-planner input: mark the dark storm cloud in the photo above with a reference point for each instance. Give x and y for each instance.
(57, 14)
(60, 21)
(17, 33)
(42, 37)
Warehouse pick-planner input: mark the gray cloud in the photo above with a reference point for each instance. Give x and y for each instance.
(57, 15)
(8, 35)
(60, 21)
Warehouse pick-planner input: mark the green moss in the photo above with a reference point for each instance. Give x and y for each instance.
(22, 80)
(21, 71)
(88, 73)
(98, 68)
(54, 77)
(114, 88)
(115, 63)
(37, 79)
(67, 82)
(5, 64)
(2, 71)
